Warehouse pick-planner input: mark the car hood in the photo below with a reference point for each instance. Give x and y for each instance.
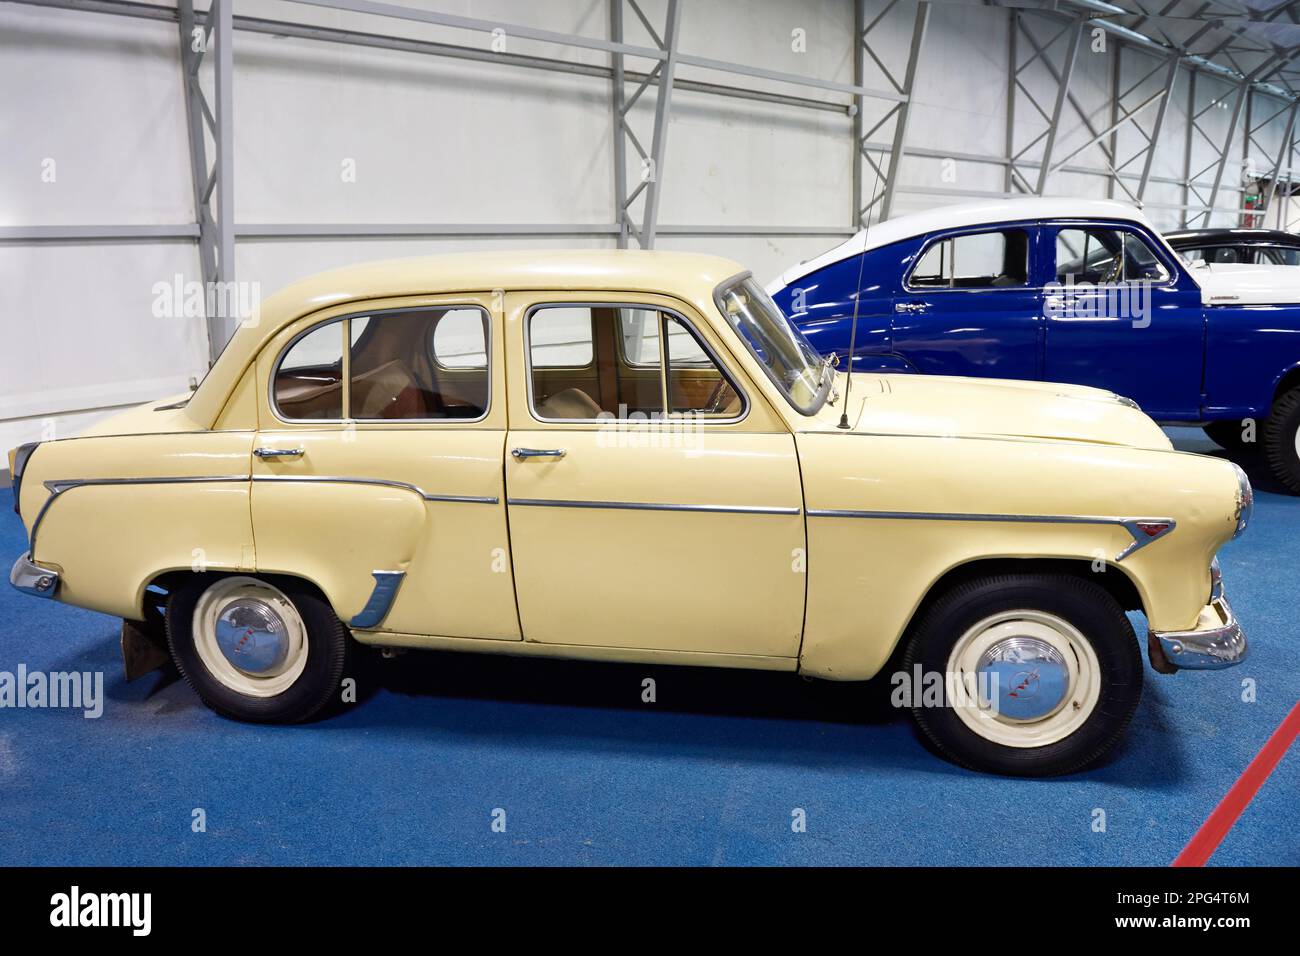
(939, 405)
(1231, 283)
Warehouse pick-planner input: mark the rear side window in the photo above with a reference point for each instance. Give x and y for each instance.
(309, 381)
(403, 364)
(982, 260)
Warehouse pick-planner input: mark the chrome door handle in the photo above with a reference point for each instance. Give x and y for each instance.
(911, 306)
(277, 452)
(522, 453)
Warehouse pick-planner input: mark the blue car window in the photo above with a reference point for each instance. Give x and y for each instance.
(979, 260)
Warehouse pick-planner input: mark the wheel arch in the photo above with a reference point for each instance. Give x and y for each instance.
(167, 581)
(1114, 579)
(1289, 379)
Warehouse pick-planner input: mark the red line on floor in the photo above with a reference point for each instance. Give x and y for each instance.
(1216, 826)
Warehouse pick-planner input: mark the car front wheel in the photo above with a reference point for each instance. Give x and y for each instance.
(1282, 439)
(1041, 673)
(257, 649)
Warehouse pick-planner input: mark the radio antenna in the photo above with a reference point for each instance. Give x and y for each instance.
(857, 296)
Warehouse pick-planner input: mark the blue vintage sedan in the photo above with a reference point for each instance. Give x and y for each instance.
(1066, 290)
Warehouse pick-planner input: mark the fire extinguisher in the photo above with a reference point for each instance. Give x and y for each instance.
(1253, 202)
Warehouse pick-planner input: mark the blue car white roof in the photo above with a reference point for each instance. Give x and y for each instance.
(984, 212)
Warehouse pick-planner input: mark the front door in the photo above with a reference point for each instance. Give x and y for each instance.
(654, 498)
(1123, 316)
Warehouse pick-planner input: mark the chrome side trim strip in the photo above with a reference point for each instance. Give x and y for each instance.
(1132, 525)
(61, 486)
(381, 599)
(650, 506)
(383, 482)
(960, 516)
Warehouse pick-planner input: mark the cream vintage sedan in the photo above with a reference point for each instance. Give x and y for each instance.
(634, 456)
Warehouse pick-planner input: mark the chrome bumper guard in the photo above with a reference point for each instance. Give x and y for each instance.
(33, 579)
(1217, 641)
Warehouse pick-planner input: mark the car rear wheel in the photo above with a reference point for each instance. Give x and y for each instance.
(1227, 435)
(1282, 439)
(1042, 673)
(257, 649)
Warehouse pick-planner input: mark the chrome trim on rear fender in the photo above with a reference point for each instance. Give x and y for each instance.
(1219, 645)
(31, 578)
(381, 599)
(22, 455)
(58, 488)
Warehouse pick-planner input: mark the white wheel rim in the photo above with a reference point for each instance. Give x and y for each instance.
(250, 637)
(1297, 442)
(1047, 682)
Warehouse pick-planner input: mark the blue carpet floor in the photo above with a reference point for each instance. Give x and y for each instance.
(587, 774)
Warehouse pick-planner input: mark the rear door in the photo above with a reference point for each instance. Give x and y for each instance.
(377, 470)
(968, 305)
(1123, 315)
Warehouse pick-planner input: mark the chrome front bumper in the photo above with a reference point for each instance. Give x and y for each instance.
(1217, 640)
(33, 579)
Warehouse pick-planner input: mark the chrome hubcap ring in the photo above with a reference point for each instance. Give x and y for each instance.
(1026, 678)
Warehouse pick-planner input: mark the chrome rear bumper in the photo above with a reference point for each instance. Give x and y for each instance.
(33, 579)
(1217, 640)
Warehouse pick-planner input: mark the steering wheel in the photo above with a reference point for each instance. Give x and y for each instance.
(1116, 272)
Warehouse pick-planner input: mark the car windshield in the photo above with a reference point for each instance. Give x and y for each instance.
(788, 358)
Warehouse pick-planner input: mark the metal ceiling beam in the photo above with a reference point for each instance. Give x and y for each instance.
(1285, 153)
(1062, 92)
(382, 41)
(399, 12)
(1171, 78)
(899, 146)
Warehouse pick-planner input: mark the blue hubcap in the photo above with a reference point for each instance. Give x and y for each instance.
(1027, 678)
(252, 636)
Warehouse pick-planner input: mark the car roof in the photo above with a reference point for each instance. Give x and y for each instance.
(691, 276)
(1257, 237)
(962, 215)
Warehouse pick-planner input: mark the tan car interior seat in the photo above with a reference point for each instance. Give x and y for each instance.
(569, 403)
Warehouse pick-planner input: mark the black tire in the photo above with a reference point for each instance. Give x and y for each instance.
(1226, 434)
(1280, 439)
(1085, 605)
(329, 647)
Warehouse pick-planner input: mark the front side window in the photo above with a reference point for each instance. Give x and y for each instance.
(1102, 256)
(983, 260)
(599, 361)
(786, 355)
(403, 364)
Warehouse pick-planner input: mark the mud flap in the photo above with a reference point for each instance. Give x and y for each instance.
(144, 648)
(1160, 662)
